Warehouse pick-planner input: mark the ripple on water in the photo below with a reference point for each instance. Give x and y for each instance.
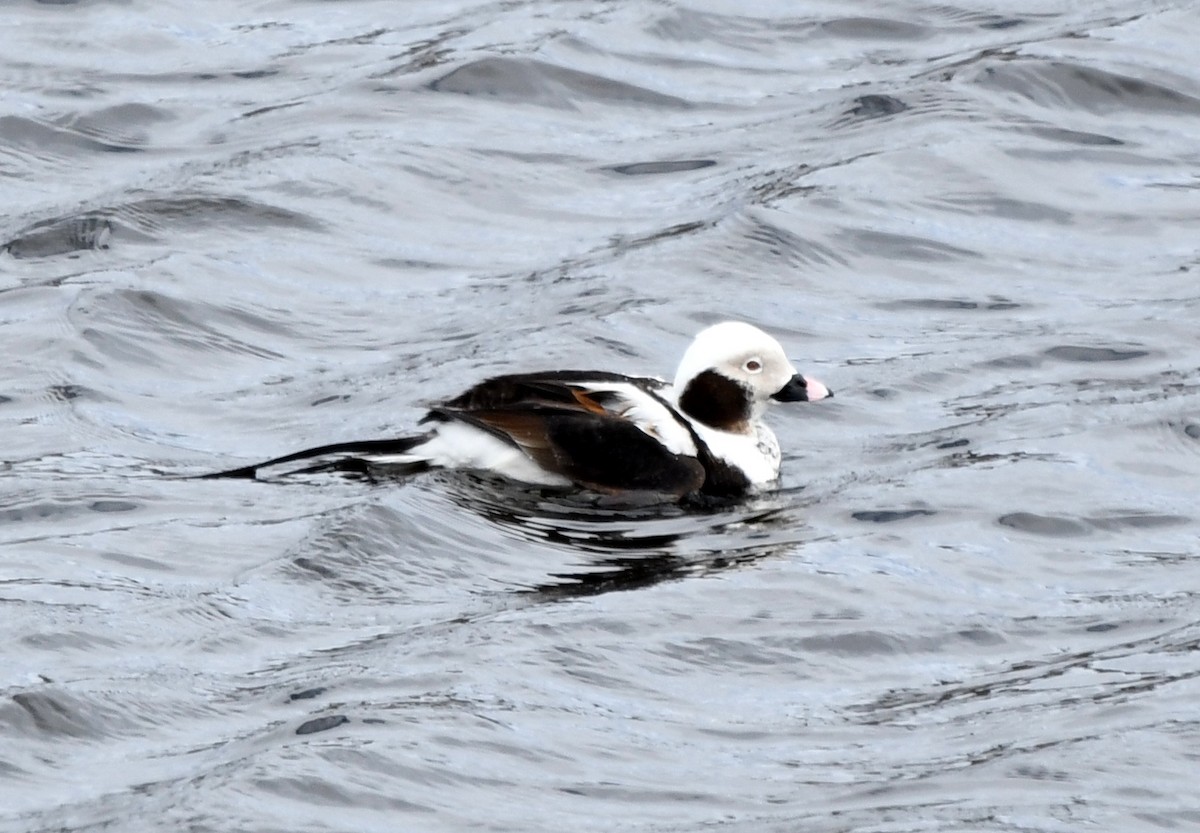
(380, 551)
(152, 328)
(613, 545)
(1188, 431)
(527, 81)
(65, 139)
(151, 220)
(1052, 681)
(1068, 527)
(893, 246)
(875, 106)
(669, 166)
(314, 222)
(1060, 85)
(875, 28)
(36, 511)
(54, 715)
(1083, 353)
(992, 304)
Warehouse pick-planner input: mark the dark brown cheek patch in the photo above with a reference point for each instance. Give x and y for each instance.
(717, 401)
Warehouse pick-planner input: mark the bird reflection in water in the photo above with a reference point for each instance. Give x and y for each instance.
(631, 542)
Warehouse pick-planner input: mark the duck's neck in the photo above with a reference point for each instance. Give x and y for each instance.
(717, 402)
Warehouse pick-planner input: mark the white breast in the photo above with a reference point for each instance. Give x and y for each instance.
(755, 454)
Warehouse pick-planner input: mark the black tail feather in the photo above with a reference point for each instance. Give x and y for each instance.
(350, 464)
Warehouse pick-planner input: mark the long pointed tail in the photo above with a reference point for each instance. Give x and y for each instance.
(359, 456)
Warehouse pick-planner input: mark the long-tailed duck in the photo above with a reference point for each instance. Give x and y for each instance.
(607, 432)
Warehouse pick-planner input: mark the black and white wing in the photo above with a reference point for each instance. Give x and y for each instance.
(607, 432)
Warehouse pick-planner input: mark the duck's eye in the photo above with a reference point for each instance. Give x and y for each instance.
(752, 366)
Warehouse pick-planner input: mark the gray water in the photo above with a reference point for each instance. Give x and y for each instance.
(237, 229)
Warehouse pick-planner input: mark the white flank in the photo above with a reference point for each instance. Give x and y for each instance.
(457, 445)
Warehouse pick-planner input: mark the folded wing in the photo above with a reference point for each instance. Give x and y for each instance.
(605, 431)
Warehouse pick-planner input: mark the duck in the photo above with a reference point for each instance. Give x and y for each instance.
(700, 435)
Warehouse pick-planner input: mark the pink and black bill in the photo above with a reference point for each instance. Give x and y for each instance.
(799, 389)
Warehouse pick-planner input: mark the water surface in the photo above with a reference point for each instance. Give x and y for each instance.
(236, 230)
